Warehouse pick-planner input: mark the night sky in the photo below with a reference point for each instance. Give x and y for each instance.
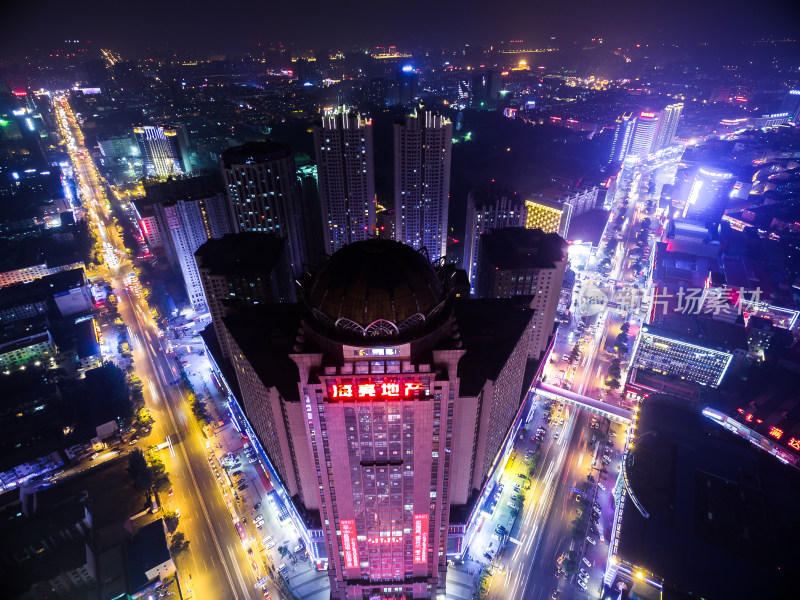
(217, 26)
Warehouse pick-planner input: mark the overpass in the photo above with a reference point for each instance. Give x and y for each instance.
(614, 413)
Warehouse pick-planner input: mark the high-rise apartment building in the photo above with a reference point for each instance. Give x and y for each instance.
(240, 270)
(668, 125)
(383, 403)
(261, 183)
(623, 134)
(489, 209)
(547, 215)
(644, 135)
(187, 213)
(422, 151)
(525, 262)
(164, 150)
(346, 176)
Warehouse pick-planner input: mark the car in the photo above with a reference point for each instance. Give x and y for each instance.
(501, 568)
(252, 460)
(602, 539)
(554, 595)
(517, 487)
(583, 571)
(591, 541)
(561, 421)
(270, 546)
(583, 577)
(586, 562)
(260, 526)
(169, 492)
(93, 456)
(521, 476)
(487, 556)
(601, 486)
(269, 538)
(133, 441)
(512, 504)
(282, 568)
(178, 512)
(555, 435)
(581, 584)
(257, 505)
(244, 520)
(612, 434)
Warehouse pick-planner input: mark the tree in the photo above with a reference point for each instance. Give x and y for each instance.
(612, 383)
(139, 471)
(171, 520)
(159, 473)
(614, 370)
(283, 551)
(178, 544)
(625, 327)
(571, 562)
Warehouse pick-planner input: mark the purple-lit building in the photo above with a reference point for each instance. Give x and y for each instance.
(365, 392)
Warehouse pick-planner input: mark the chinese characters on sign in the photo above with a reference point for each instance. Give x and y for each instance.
(688, 301)
(349, 543)
(776, 433)
(420, 539)
(368, 389)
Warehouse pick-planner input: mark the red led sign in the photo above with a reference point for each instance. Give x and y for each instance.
(349, 542)
(648, 115)
(420, 539)
(368, 389)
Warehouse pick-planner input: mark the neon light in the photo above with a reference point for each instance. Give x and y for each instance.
(369, 389)
(794, 443)
(20, 93)
(349, 543)
(648, 115)
(776, 433)
(420, 539)
(145, 227)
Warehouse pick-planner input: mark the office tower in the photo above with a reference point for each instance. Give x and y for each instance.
(709, 195)
(644, 134)
(548, 215)
(422, 148)
(486, 88)
(679, 355)
(240, 270)
(383, 404)
(261, 183)
(164, 150)
(623, 134)
(668, 125)
(525, 262)
(188, 212)
(346, 176)
(308, 194)
(406, 85)
(489, 209)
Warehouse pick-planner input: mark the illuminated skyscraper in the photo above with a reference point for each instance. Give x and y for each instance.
(343, 145)
(549, 216)
(668, 125)
(644, 135)
(623, 134)
(384, 405)
(261, 183)
(487, 210)
(422, 150)
(164, 150)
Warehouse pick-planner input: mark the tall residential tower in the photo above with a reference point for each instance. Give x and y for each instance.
(345, 172)
(422, 150)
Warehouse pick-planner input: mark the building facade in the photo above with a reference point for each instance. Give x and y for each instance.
(668, 125)
(164, 150)
(243, 269)
(356, 393)
(669, 355)
(525, 262)
(261, 184)
(422, 152)
(644, 135)
(548, 215)
(623, 134)
(346, 177)
(487, 210)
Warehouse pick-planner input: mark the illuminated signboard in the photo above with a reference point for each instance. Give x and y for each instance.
(420, 539)
(349, 542)
(649, 115)
(378, 352)
(145, 228)
(374, 389)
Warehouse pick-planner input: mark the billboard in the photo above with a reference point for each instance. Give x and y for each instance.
(349, 543)
(420, 539)
(374, 389)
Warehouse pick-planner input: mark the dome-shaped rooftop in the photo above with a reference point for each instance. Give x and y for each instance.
(376, 288)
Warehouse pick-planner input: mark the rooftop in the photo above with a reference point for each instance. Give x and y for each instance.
(255, 152)
(520, 248)
(708, 491)
(245, 253)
